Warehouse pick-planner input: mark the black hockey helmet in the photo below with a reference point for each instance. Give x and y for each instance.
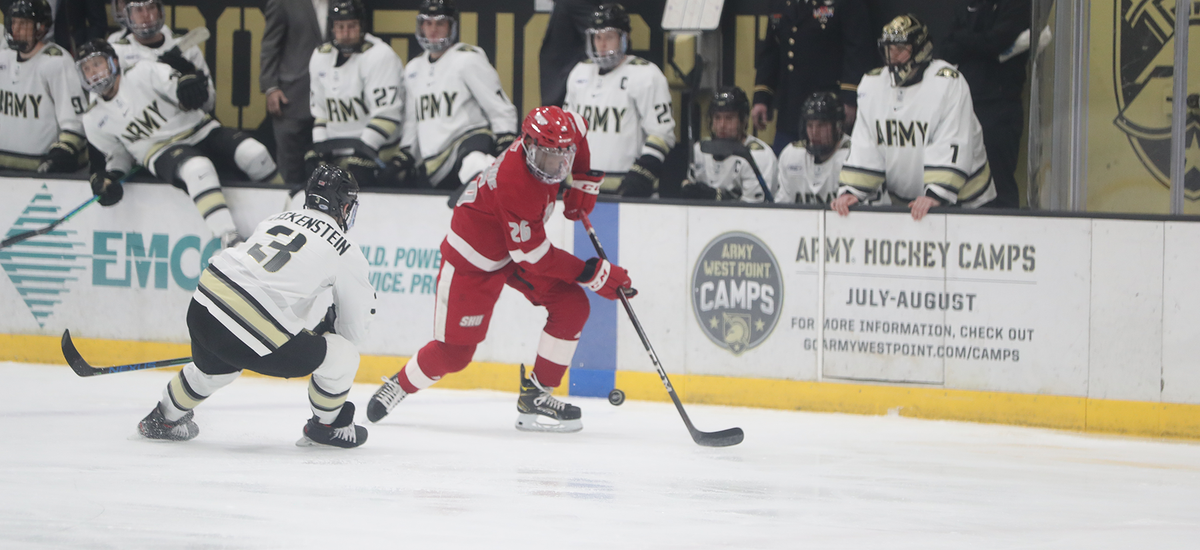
(823, 107)
(730, 99)
(437, 10)
(333, 191)
(98, 66)
(608, 16)
(140, 25)
(37, 11)
(906, 30)
(347, 10)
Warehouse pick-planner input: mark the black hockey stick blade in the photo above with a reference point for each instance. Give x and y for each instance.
(82, 368)
(723, 438)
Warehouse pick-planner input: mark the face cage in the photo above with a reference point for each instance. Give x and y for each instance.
(901, 72)
(743, 122)
(13, 43)
(835, 138)
(606, 60)
(536, 157)
(103, 84)
(441, 44)
(349, 217)
(146, 30)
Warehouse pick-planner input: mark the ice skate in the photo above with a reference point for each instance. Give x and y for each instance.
(156, 426)
(541, 412)
(342, 433)
(385, 398)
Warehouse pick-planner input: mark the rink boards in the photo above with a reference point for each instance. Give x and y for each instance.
(1076, 323)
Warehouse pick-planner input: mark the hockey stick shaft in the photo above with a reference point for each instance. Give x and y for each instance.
(723, 438)
(82, 368)
(30, 234)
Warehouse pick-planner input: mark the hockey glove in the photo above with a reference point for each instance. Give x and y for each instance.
(642, 178)
(174, 58)
(192, 91)
(606, 279)
(503, 141)
(402, 168)
(108, 186)
(580, 198)
(327, 323)
(363, 169)
(701, 191)
(58, 159)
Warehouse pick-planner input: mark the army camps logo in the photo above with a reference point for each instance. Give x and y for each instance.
(737, 291)
(1143, 57)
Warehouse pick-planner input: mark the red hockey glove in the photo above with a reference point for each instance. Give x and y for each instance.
(605, 278)
(580, 198)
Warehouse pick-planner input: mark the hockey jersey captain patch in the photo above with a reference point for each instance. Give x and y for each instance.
(471, 321)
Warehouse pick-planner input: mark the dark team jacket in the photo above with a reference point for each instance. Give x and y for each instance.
(811, 46)
(983, 30)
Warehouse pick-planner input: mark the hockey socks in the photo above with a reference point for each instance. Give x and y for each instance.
(200, 177)
(554, 354)
(330, 382)
(189, 388)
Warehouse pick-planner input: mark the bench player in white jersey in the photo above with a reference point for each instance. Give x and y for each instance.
(357, 99)
(40, 96)
(456, 107)
(251, 307)
(719, 176)
(809, 168)
(146, 38)
(916, 135)
(627, 105)
(497, 237)
(151, 115)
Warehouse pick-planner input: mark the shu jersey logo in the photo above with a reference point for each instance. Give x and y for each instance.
(520, 232)
(1143, 64)
(142, 126)
(469, 321)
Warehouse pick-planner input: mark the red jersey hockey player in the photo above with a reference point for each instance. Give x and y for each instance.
(497, 238)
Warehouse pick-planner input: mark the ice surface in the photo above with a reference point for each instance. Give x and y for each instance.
(447, 470)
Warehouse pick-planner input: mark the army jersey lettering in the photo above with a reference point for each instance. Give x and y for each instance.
(142, 127)
(898, 133)
(429, 106)
(20, 105)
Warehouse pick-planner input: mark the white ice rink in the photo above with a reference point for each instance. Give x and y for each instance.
(448, 470)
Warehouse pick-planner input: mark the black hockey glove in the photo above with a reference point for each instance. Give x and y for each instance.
(58, 159)
(175, 59)
(701, 191)
(363, 169)
(503, 141)
(108, 186)
(401, 170)
(192, 91)
(642, 178)
(327, 323)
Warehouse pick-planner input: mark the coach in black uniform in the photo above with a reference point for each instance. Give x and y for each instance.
(811, 45)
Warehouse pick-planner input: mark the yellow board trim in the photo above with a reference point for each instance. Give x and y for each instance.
(1134, 418)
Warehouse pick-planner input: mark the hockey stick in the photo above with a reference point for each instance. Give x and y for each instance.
(82, 368)
(723, 438)
(31, 234)
(329, 146)
(722, 148)
(193, 38)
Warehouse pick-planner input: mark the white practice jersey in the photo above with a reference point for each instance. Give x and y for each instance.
(802, 180)
(143, 118)
(361, 99)
(918, 138)
(264, 290)
(628, 111)
(452, 97)
(734, 172)
(130, 51)
(40, 102)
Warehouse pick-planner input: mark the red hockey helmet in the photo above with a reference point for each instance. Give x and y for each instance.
(550, 145)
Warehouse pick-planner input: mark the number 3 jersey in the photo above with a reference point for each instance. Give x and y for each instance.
(40, 103)
(264, 290)
(363, 98)
(628, 111)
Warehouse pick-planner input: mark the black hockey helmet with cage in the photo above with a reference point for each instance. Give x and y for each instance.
(608, 16)
(333, 191)
(37, 11)
(906, 30)
(347, 10)
(823, 107)
(144, 29)
(437, 10)
(97, 82)
(730, 99)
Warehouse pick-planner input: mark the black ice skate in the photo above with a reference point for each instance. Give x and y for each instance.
(156, 426)
(541, 412)
(385, 398)
(342, 433)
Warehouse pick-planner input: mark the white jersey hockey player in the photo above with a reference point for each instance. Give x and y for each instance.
(150, 115)
(716, 171)
(357, 98)
(916, 136)
(456, 106)
(40, 96)
(147, 38)
(251, 309)
(627, 105)
(809, 168)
